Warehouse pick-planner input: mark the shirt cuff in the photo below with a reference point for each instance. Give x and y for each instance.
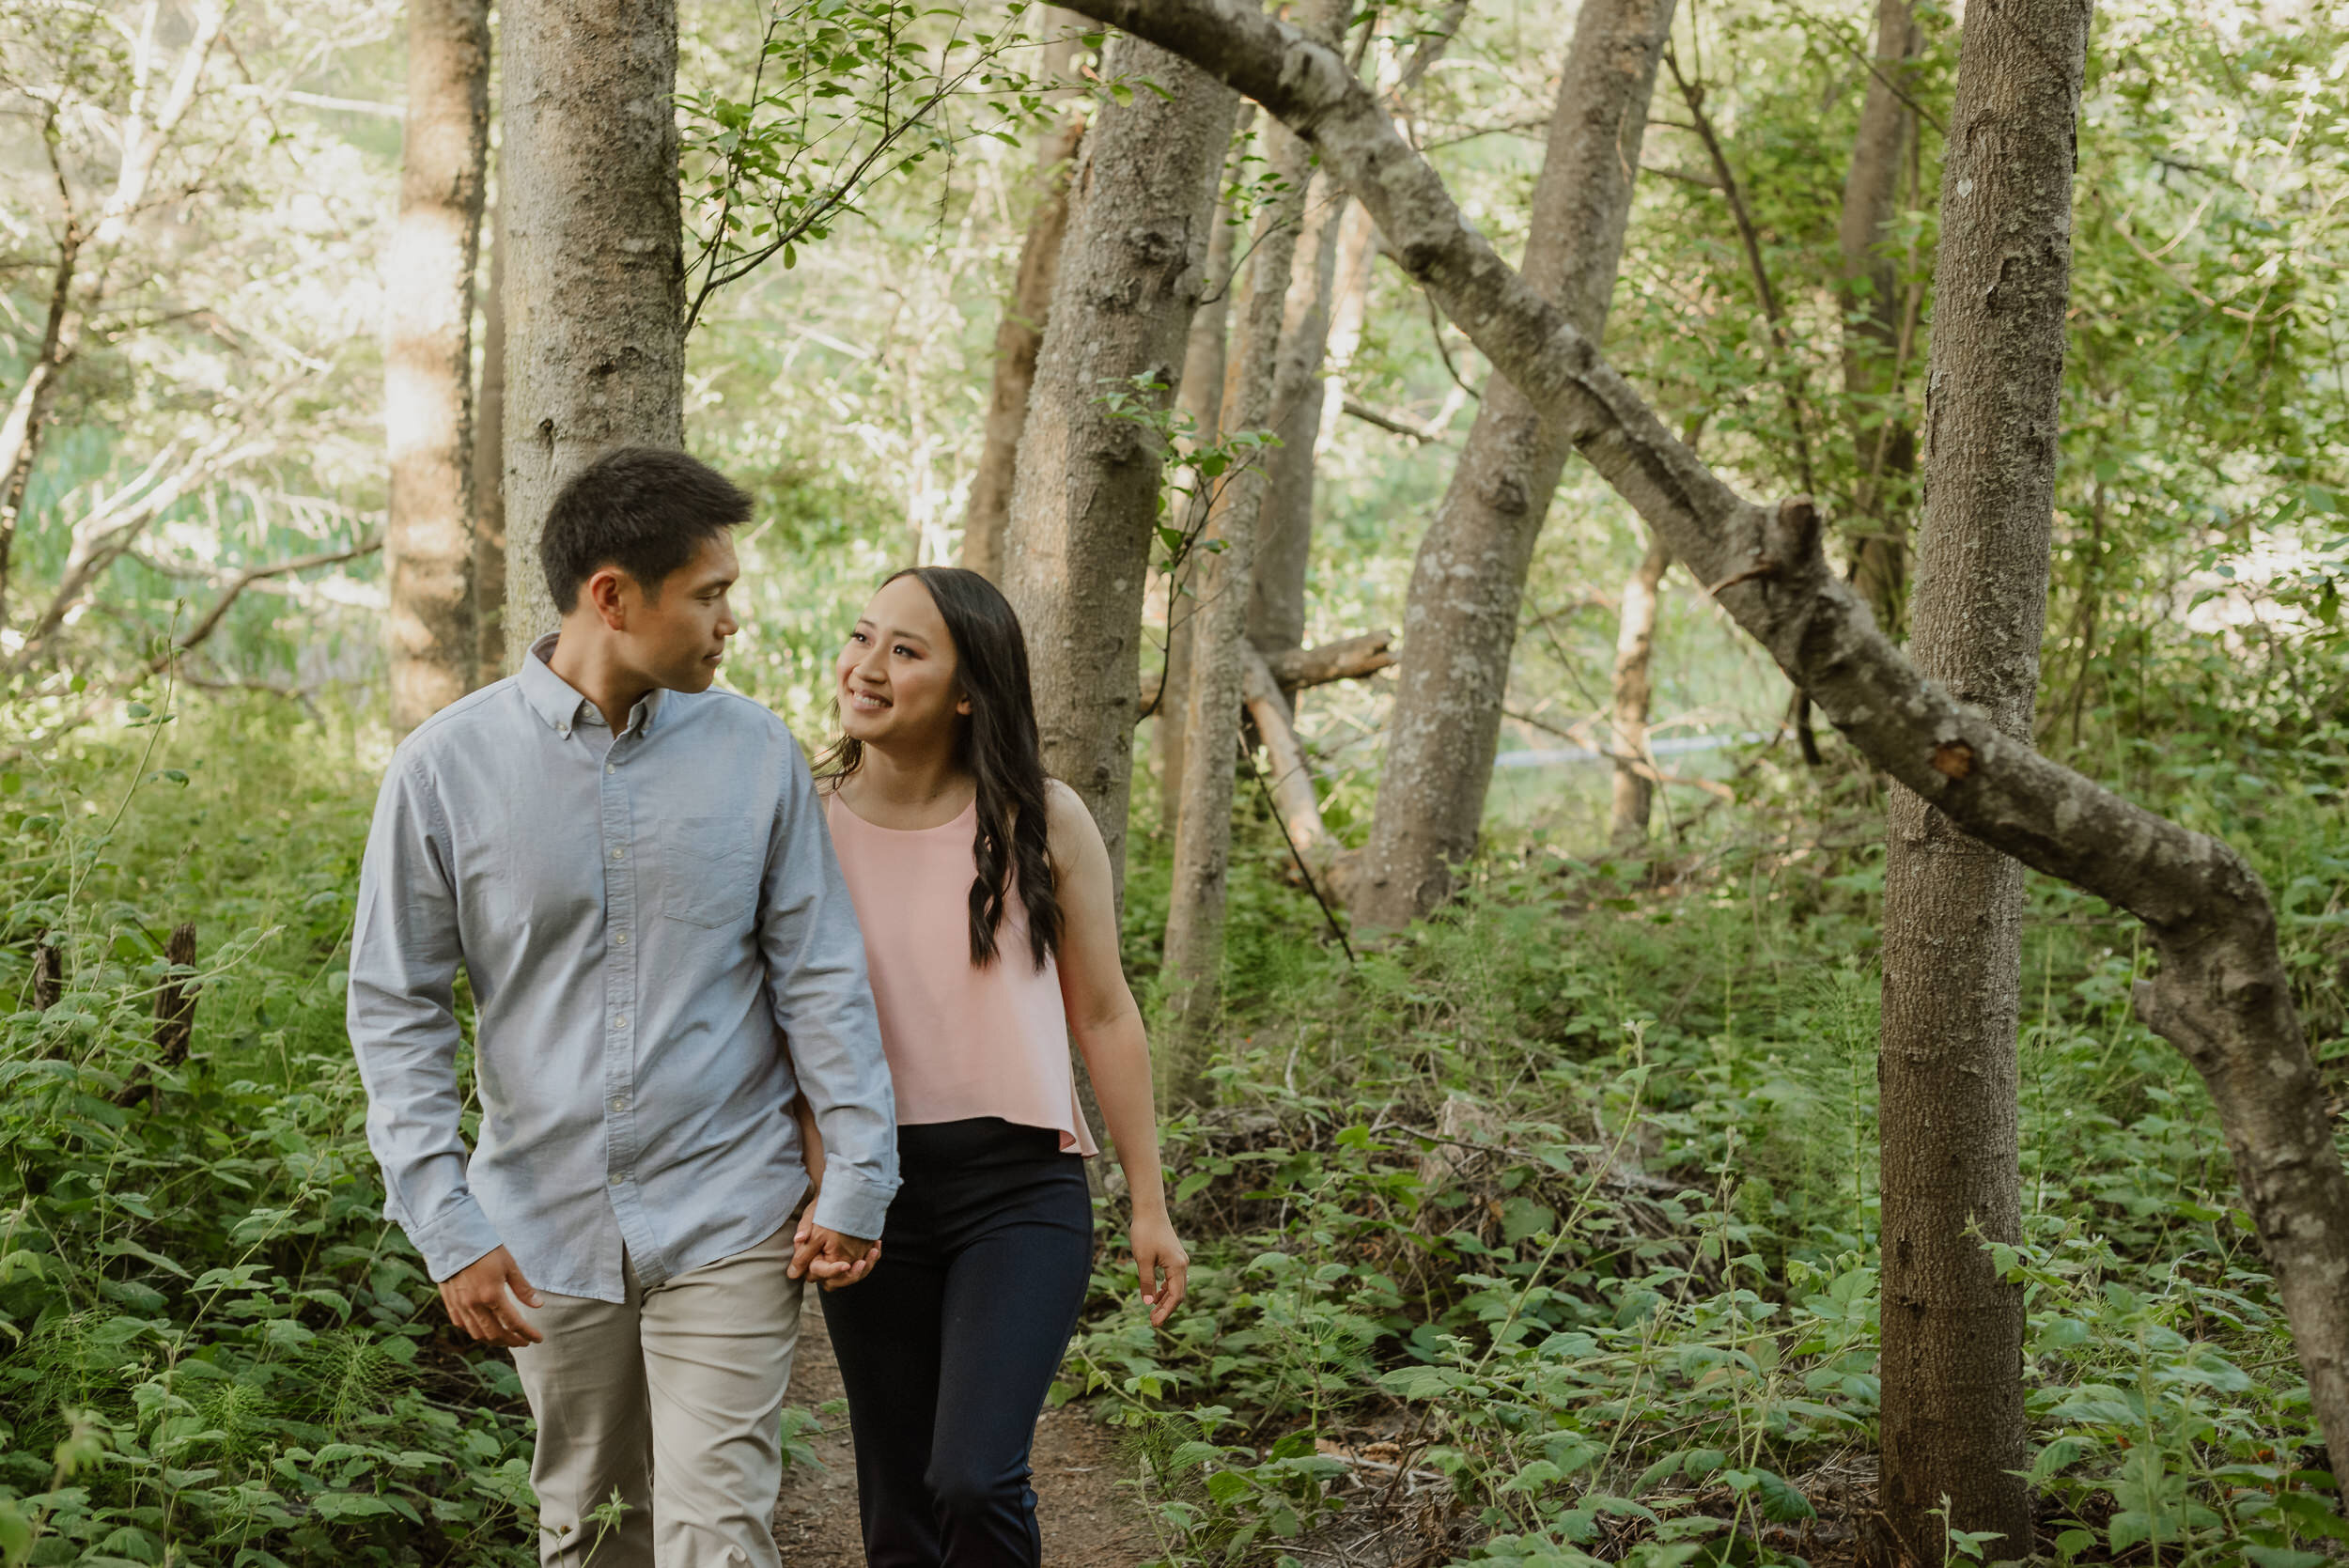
(852, 1202)
(461, 1235)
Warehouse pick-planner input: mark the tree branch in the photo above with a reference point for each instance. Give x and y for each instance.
(2221, 996)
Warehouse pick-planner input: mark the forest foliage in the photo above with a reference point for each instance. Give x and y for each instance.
(1565, 1198)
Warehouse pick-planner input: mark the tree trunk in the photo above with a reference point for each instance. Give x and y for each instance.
(1016, 339)
(1635, 644)
(1202, 404)
(595, 288)
(2219, 992)
(1225, 575)
(1085, 496)
(488, 471)
(427, 380)
(1276, 604)
(1952, 1411)
(1460, 620)
(1873, 343)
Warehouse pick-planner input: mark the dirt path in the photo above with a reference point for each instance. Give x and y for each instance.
(1088, 1522)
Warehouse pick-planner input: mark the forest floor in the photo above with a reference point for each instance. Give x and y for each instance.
(1088, 1521)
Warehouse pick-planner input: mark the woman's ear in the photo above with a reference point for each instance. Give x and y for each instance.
(962, 702)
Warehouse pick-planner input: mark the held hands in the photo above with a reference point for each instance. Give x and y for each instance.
(827, 1257)
(475, 1297)
(1162, 1264)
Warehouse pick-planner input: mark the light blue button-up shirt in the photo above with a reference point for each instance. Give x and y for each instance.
(645, 920)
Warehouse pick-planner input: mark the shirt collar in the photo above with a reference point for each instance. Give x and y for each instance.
(557, 701)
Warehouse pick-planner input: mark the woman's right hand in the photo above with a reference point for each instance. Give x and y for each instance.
(808, 1258)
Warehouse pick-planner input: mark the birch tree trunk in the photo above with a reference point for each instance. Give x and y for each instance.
(1018, 339)
(2219, 991)
(488, 472)
(1225, 577)
(1085, 493)
(1201, 403)
(427, 390)
(1635, 649)
(595, 286)
(1460, 619)
(1875, 343)
(1952, 1412)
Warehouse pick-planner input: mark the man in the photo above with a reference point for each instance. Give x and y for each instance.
(635, 873)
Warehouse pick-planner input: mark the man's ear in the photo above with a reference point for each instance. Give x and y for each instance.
(606, 591)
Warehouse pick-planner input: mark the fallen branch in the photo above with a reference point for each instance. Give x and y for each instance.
(1291, 783)
(1294, 669)
(2220, 995)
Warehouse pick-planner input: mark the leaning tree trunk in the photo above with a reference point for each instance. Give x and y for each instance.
(1276, 601)
(595, 288)
(1193, 963)
(1953, 1429)
(1460, 618)
(428, 376)
(1085, 497)
(1202, 404)
(1885, 449)
(488, 474)
(2220, 993)
(1635, 650)
(1018, 337)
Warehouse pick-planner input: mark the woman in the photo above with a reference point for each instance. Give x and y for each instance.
(982, 888)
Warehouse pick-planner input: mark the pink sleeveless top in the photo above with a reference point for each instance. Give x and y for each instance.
(961, 1041)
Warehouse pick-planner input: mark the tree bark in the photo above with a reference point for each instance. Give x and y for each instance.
(1460, 619)
(428, 382)
(1225, 577)
(1018, 339)
(1634, 647)
(1086, 495)
(488, 472)
(2221, 992)
(1953, 1424)
(1276, 602)
(1870, 293)
(595, 286)
(1201, 404)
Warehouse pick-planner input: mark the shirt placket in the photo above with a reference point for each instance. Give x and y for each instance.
(622, 941)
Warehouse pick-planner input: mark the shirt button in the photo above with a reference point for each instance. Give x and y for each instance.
(621, 939)
(619, 854)
(619, 1176)
(619, 1102)
(610, 769)
(620, 1023)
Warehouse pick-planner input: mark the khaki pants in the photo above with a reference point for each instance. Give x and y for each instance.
(673, 1400)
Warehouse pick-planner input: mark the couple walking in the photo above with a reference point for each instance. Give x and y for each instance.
(716, 992)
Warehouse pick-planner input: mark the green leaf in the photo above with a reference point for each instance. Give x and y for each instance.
(2283, 1557)
(1779, 1500)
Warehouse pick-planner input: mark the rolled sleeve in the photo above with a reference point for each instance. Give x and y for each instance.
(815, 955)
(402, 1020)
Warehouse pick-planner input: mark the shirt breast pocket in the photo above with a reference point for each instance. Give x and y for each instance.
(713, 864)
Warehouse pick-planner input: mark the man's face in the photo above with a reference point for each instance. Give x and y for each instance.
(677, 637)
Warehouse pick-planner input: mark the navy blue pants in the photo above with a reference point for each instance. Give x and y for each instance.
(948, 1347)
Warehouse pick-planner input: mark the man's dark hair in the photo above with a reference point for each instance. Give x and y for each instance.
(643, 509)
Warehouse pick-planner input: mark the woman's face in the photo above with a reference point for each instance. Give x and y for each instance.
(896, 674)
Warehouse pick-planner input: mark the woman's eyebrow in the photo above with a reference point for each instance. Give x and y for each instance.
(900, 633)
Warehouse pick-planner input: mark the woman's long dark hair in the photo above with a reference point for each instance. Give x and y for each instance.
(998, 745)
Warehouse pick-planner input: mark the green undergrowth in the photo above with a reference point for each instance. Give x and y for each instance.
(1566, 1203)
(1563, 1203)
(213, 1350)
